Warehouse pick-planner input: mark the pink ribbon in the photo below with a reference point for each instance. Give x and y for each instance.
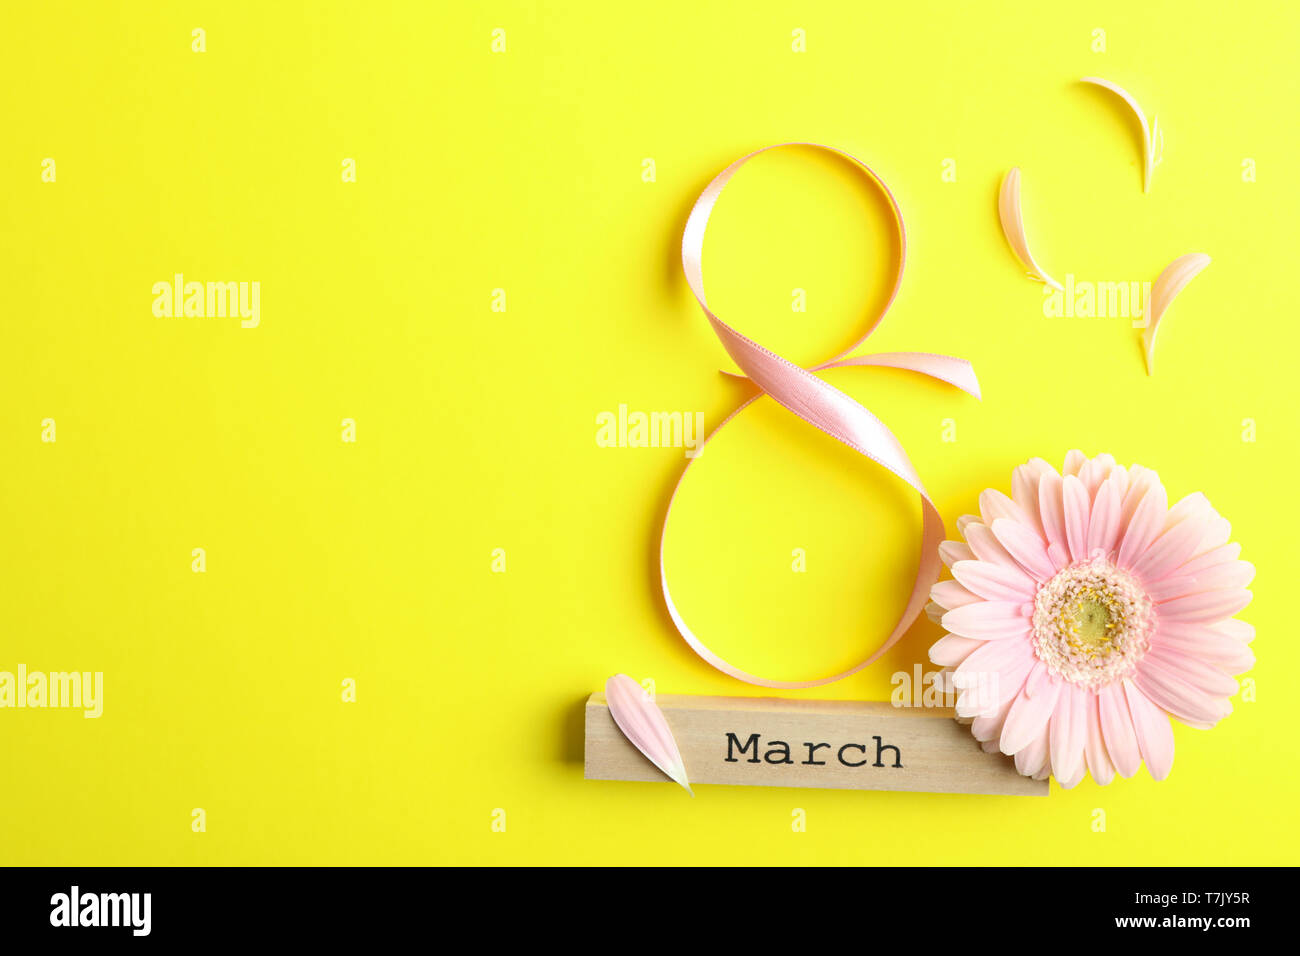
(822, 406)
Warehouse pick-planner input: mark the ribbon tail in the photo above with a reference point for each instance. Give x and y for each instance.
(946, 368)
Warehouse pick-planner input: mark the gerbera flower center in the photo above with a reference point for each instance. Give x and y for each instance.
(1092, 623)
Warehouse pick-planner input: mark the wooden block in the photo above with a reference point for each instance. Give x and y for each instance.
(836, 744)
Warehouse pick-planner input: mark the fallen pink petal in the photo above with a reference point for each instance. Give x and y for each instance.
(644, 725)
(1152, 137)
(1013, 227)
(1170, 282)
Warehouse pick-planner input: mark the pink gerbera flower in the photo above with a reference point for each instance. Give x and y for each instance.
(1084, 613)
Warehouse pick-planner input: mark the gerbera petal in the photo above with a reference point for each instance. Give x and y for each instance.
(1042, 467)
(1230, 576)
(951, 594)
(1241, 630)
(1155, 736)
(1024, 488)
(1147, 522)
(1217, 532)
(1117, 730)
(991, 677)
(1140, 481)
(950, 650)
(1069, 727)
(995, 657)
(980, 700)
(1073, 781)
(1207, 606)
(1195, 505)
(1033, 759)
(1077, 511)
(1173, 587)
(950, 552)
(935, 612)
(1039, 678)
(994, 582)
(1119, 475)
(1210, 643)
(1103, 522)
(1052, 513)
(988, 725)
(963, 521)
(1200, 674)
(1074, 461)
(994, 504)
(1235, 660)
(1029, 715)
(1212, 558)
(1094, 747)
(976, 701)
(988, 621)
(1172, 549)
(986, 547)
(1192, 706)
(1227, 576)
(1207, 642)
(1025, 546)
(1094, 472)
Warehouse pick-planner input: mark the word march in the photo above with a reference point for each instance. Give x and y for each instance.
(778, 751)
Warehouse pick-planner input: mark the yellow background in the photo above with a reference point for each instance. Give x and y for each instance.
(522, 171)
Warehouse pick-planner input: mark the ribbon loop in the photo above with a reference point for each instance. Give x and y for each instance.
(823, 406)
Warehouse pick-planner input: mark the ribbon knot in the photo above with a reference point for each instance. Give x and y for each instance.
(823, 406)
